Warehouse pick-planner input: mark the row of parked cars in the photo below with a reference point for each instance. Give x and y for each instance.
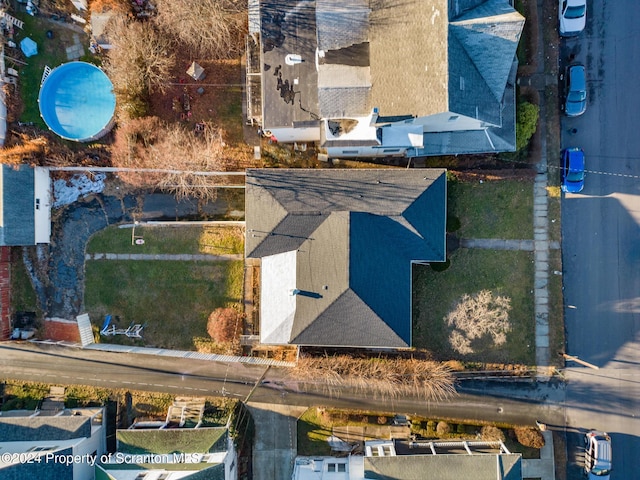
(573, 19)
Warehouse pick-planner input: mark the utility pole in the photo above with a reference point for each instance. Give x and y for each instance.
(581, 362)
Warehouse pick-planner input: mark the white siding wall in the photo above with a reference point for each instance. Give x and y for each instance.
(42, 202)
(290, 134)
(448, 122)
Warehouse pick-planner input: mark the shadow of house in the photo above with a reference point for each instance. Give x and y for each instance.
(337, 248)
(435, 77)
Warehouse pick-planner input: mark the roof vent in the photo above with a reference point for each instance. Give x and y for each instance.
(293, 59)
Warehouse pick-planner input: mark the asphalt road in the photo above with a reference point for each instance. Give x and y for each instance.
(601, 236)
(519, 403)
(55, 364)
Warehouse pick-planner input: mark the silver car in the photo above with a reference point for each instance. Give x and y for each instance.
(575, 84)
(597, 455)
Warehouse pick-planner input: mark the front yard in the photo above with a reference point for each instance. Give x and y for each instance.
(504, 273)
(317, 424)
(491, 209)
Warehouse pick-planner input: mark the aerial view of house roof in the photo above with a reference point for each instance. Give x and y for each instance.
(39, 435)
(446, 66)
(337, 248)
(25, 217)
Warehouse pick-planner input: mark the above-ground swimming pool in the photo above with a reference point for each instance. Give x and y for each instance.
(77, 101)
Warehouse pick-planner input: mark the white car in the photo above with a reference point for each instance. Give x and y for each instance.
(573, 17)
(597, 455)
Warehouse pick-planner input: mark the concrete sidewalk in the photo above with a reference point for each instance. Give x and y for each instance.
(544, 467)
(164, 256)
(502, 244)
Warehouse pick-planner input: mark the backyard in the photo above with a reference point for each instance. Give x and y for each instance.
(51, 53)
(172, 299)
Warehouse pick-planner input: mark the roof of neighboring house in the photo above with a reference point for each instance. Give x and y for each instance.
(418, 58)
(444, 467)
(345, 239)
(172, 440)
(290, 92)
(36, 429)
(187, 471)
(17, 218)
(40, 469)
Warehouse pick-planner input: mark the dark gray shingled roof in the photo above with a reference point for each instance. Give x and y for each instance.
(355, 233)
(342, 24)
(489, 34)
(444, 467)
(494, 139)
(288, 27)
(17, 195)
(36, 429)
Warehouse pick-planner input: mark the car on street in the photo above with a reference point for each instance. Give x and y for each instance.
(572, 170)
(597, 455)
(573, 17)
(575, 84)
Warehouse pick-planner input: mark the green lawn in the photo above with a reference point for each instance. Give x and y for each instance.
(195, 239)
(173, 299)
(23, 296)
(312, 434)
(51, 52)
(492, 209)
(507, 273)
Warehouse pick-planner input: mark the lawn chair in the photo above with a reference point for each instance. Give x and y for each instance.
(134, 331)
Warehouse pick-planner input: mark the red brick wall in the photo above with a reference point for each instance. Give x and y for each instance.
(61, 330)
(5, 293)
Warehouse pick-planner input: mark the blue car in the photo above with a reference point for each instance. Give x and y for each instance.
(572, 170)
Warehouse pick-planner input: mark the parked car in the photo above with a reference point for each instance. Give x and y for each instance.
(575, 82)
(573, 17)
(597, 455)
(572, 170)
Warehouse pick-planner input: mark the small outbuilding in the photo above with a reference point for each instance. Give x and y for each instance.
(196, 72)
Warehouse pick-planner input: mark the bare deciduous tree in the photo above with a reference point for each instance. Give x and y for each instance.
(139, 62)
(208, 28)
(148, 143)
(476, 316)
